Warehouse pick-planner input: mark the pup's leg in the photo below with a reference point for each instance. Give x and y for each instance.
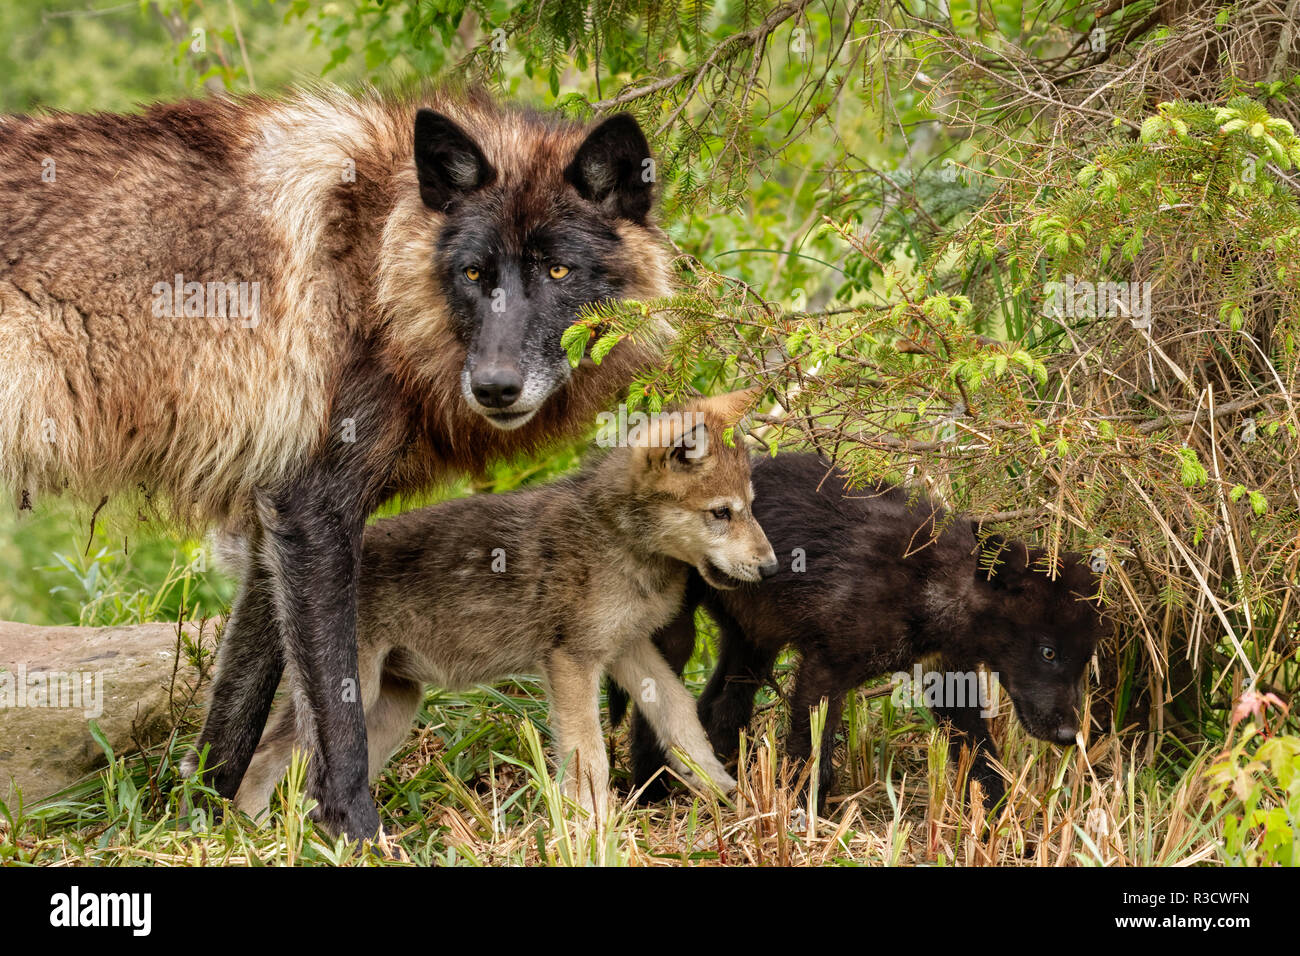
(968, 727)
(270, 761)
(668, 707)
(676, 642)
(250, 663)
(816, 679)
(727, 703)
(389, 718)
(574, 689)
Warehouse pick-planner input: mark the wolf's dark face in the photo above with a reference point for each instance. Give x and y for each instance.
(519, 260)
(1042, 634)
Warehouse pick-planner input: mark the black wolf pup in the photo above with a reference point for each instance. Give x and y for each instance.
(872, 580)
(323, 298)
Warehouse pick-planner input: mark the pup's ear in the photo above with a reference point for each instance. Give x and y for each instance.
(998, 567)
(448, 162)
(613, 168)
(731, 407)
(690, 448)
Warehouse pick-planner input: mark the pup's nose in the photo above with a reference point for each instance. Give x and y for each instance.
(1065, 734)
(496, 386)
(769, 567)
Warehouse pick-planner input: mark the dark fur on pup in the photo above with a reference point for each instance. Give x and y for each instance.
(570, 579)
(328, 297)
(890, 580)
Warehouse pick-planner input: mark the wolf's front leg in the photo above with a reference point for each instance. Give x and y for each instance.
(312, 546)
(669, 708)
(250, 663)
(574, 687)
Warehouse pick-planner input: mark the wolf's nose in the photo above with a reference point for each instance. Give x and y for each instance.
(497, 386)
(769, 568)
(1065, 734)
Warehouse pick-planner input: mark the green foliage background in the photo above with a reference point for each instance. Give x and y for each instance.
(871, 200)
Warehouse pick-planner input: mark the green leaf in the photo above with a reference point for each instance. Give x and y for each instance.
(574, 342)
(795, 339)
(603, 346)
(99, 738)
(1152, 127)
(1191, 472)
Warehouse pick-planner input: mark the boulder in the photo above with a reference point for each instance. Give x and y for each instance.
(135, 682)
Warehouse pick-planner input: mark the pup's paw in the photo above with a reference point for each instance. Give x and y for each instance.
(717, 779)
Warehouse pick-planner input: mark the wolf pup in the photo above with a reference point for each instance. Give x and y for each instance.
(873, 580)
(570, 579)
(329, 298)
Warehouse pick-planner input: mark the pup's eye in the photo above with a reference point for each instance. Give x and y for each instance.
(722, 514)
(559, 272)
(472, 274)
(1049, 654)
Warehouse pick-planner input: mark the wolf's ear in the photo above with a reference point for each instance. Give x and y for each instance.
(448, 162)
(733, 407)
(690, 448)
(613, 168)
(1002, 564)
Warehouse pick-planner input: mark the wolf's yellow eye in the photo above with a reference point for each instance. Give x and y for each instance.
(472, 274)
(559, 272)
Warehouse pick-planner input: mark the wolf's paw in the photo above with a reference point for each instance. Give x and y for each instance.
(387, 848)
(189, 764)
(715, 781)
(717, 777)
(190, 799)
(357, 819)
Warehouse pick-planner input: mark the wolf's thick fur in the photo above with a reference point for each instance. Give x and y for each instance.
(889, 579)
(201, 410)
(570, 579)
(356, 378)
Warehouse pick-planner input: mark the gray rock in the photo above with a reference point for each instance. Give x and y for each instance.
(55, 680)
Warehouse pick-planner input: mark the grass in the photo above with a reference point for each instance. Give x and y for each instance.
(472, 786)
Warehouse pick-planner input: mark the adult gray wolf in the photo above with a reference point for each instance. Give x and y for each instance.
(327, 298)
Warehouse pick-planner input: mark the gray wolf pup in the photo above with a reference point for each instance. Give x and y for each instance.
(873, 579)
(328, 298)
(570, 579)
